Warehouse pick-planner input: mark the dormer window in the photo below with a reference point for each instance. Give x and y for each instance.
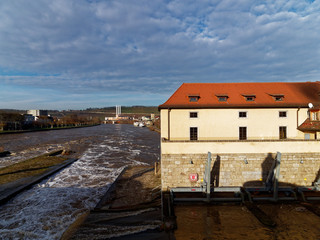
(194, 98)
(249, 97)
(222, 98)
(277, 97)
(314, 114)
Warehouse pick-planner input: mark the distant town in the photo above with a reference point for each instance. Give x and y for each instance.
(19, 120)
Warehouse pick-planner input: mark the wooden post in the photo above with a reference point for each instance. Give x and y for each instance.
(156, 168)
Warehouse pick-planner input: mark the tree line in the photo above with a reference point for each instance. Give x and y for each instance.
(14, 121)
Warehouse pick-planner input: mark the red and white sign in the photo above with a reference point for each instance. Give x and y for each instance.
(193, 177)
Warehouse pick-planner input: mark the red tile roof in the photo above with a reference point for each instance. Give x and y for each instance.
(292, 94)
(310, 126)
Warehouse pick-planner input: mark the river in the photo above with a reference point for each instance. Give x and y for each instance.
(48, 209)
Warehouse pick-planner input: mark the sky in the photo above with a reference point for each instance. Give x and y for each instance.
(77, 54)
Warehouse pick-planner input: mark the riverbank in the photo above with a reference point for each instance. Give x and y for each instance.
(155, 129)
(45, 129)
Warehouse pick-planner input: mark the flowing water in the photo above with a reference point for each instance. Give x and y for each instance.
(48, 209)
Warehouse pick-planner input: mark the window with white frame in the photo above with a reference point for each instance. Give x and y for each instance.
(242, 114)
(314, 116)
(282, 114)
(193, 133)
(193, 114)
(283, 132)
(242, 133)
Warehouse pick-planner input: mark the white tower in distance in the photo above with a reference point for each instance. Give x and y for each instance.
(118, 111)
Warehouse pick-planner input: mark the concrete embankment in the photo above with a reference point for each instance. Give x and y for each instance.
(155, 129)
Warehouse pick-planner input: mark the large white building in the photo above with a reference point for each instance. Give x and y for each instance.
(238, 119)
(38, 113)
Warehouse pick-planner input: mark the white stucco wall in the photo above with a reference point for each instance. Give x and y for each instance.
(223, 124)
(220, 147)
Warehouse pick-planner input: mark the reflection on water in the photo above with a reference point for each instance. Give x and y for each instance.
(46, 211)
(217, 222)
(234, 222)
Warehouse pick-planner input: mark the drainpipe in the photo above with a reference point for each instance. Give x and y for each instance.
(298, 117)
(169, 110)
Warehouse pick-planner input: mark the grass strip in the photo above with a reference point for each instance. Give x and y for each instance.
(29, 168)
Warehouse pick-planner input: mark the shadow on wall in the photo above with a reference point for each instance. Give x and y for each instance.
(267, 170)
(317, 176)
(266, 166)
(215, 172)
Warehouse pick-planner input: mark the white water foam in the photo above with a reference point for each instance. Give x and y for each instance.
(47, 210)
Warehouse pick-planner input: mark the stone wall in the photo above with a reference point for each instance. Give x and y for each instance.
(298, 169)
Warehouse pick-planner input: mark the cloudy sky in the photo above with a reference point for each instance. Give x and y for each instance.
(75, 54)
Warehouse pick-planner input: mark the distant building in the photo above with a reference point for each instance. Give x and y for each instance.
(118, 111)
(145, 118)
(116, 118)
(38, 113)
(118, 115)
(28, 118)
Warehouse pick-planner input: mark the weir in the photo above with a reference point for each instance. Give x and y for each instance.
(271, 191)
(207, 192)
(310, 193)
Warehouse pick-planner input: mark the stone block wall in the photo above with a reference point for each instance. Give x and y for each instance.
(297, 169)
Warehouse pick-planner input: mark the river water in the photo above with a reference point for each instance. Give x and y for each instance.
(48, 209)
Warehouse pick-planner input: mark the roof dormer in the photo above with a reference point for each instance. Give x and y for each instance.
(277, 97)
(194, 97)
(222, 97)
(249, 97)
(314, 114)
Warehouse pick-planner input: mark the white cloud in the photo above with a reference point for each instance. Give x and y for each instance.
(78, 46)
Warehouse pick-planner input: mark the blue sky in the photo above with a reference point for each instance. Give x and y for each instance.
(76, 54)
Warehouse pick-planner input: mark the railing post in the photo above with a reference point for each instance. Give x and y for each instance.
(276, 176)
(208, 177)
